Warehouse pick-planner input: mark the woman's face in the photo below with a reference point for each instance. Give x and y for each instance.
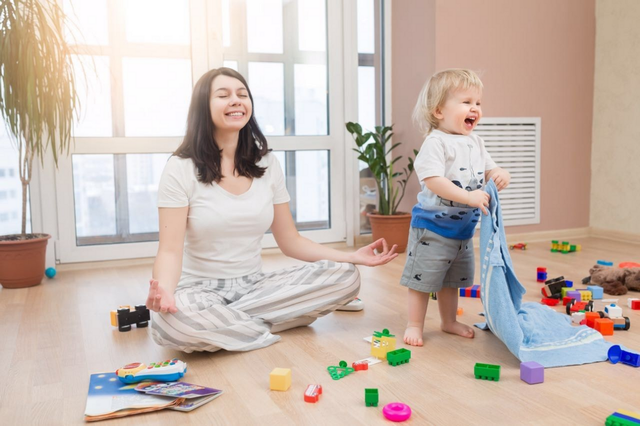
(230, 104)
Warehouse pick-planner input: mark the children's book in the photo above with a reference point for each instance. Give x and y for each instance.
(194, 395)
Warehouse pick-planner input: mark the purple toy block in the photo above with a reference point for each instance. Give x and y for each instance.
(574, 295)
(532, 372)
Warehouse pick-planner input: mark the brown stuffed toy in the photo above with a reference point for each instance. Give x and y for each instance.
(615, 281)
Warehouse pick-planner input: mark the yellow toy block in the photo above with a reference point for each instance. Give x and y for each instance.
(630, 414)
(381, 343)
(585, 296)
(280, 379)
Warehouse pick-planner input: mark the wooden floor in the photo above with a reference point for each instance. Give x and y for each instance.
(53, 336)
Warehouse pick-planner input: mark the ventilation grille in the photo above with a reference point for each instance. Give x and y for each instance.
(514, 144)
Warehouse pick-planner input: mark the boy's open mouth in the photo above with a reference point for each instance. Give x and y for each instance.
(470, 121)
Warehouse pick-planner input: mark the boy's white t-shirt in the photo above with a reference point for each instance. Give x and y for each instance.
(224, 231)
(461, 159)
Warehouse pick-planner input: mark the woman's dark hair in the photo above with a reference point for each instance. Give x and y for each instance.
(200, 145)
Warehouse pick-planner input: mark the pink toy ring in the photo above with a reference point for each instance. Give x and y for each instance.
(397, 411)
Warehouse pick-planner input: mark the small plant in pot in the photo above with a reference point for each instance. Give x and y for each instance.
(374, 148)
(38, 100)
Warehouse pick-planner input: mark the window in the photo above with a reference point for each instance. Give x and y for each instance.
(11, 188)
(2, 173)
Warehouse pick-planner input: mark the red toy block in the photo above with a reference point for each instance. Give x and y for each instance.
(566, 300)
(549, 302)
(313, 392)
(604, 326)
(360, 366)
(467, 292)
(591, 318)
(635, 305)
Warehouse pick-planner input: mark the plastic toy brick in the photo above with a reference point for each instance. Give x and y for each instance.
(399, 356)
(575, 295)
(564, 291)
(604, 326)
(371, 397)
(596, 291)
(585, 295)
(566, 300)
(487, 372)
(381, 343)
(280, 379)
(531, 372)
(553, 287)
(459, 311)
(165, 371)
(577, 317)
(473, 291)
(125, 316)
(631, 414)
(591, 318)
(633, 303)
(541, 274)
(618, 419)
(360, 366)
(613, 311)
(616, 354)
(340, 371)
(568, 283)
(312, 394)
(621, 323)
(549, 301)
(579, 306)
(564, 247)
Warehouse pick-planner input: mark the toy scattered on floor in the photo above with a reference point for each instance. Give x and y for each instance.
(312, 394)
(381, 343)
(360, 365)
(564, 247)
(553, 288)
(622, 323)
(575, 295)
(577, 317)
(399, 356)
(521, 246)
(125, 316)
(596, 291)
(541, 274)
(459, 311)
(371, 397)
(340, 371)
(473, 291)
(487, 372)
(280, 379)
(604, 326)
(396, 412)
(629, 265)
(50, 272)
(633, 303)
(623, 418)
(575, 306)
(615, 281)
(531, 372)
(549, 301)
(616, 354)
(604, 263)
(166, 371)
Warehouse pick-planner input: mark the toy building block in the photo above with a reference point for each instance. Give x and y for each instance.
(621, 323)
(631, 414)
(549, 301)
(555, 246)
(604, 326)
(633, 303)
(473, 291)
(280, 379)
(577, 317)
(579, 306)
(531, 372)
(371, 397)
(312, 394)
(619, 419)
(585, 295)
(381, 343)
(125, 316)
(566, 300)
(541, 274)
(399, 356)
(616, 354)
(459, 311)
(338, 372)
(553, 287)
(596, 291)
(604, 263)
(568, 283)
(360, 365)
(591, 318)
(564, 292)
(487, 372)
(613, 311)
(575, 295)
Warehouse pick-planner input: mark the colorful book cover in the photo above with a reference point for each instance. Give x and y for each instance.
(176, 389)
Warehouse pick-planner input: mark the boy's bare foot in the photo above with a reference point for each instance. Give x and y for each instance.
(413, 336)
(456, 328)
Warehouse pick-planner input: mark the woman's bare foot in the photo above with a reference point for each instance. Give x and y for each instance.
(456, 328)
(413, 336)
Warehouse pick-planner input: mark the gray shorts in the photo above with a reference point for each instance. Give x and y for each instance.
(434, 262)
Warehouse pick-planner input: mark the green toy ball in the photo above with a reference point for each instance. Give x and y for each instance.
(50, 272)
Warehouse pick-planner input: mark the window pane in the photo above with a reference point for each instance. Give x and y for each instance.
(367, 98)
(312, 175)
(226, 24)
(10, 188)
(310, 86)
(366, 32)
(156, 96)
(231, 64)
(94, 193)
(93, 83)
(264, 26)
(157, 21)
(143, 176)
(88, 22)
(312, 24)
(266, 81)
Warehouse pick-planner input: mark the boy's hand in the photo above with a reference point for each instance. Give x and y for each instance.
(479, 198)
(160, 300)
(501, 178)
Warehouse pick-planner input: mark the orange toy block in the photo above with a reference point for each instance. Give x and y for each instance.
(591, 318)
(604, 326)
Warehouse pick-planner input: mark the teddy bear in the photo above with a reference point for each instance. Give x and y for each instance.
(614, 281)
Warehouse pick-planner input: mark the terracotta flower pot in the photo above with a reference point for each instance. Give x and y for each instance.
(393, 228)
(22, 261)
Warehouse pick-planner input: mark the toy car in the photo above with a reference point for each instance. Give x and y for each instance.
(126, 315)
(166, 371)
(521, 246)
(574, 306)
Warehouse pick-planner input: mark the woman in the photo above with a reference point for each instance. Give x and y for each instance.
(219, 193)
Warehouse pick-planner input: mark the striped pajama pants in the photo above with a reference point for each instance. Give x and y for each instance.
(239, 314)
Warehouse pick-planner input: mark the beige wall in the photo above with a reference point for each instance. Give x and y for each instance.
(615, 179)
(536, 59)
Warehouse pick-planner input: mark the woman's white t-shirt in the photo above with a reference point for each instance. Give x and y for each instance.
(224, 231)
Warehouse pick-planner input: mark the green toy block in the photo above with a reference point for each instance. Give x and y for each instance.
(371, 397)
(614, 420)
(487, 372)
(338, 373)
(399, 356)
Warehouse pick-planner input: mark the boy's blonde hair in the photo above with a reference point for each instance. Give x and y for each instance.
(434, 95)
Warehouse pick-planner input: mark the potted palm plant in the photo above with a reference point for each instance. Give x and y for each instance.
(38, 99)
(372, 148)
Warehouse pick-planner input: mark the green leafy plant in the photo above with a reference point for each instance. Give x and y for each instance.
(373, 150)
(38, 96)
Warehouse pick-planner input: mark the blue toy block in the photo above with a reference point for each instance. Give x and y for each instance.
(542, 276)
(568, 283)
(462, 292)
(616, 354)
(596, 291)
(605, 263)
(475, 291)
